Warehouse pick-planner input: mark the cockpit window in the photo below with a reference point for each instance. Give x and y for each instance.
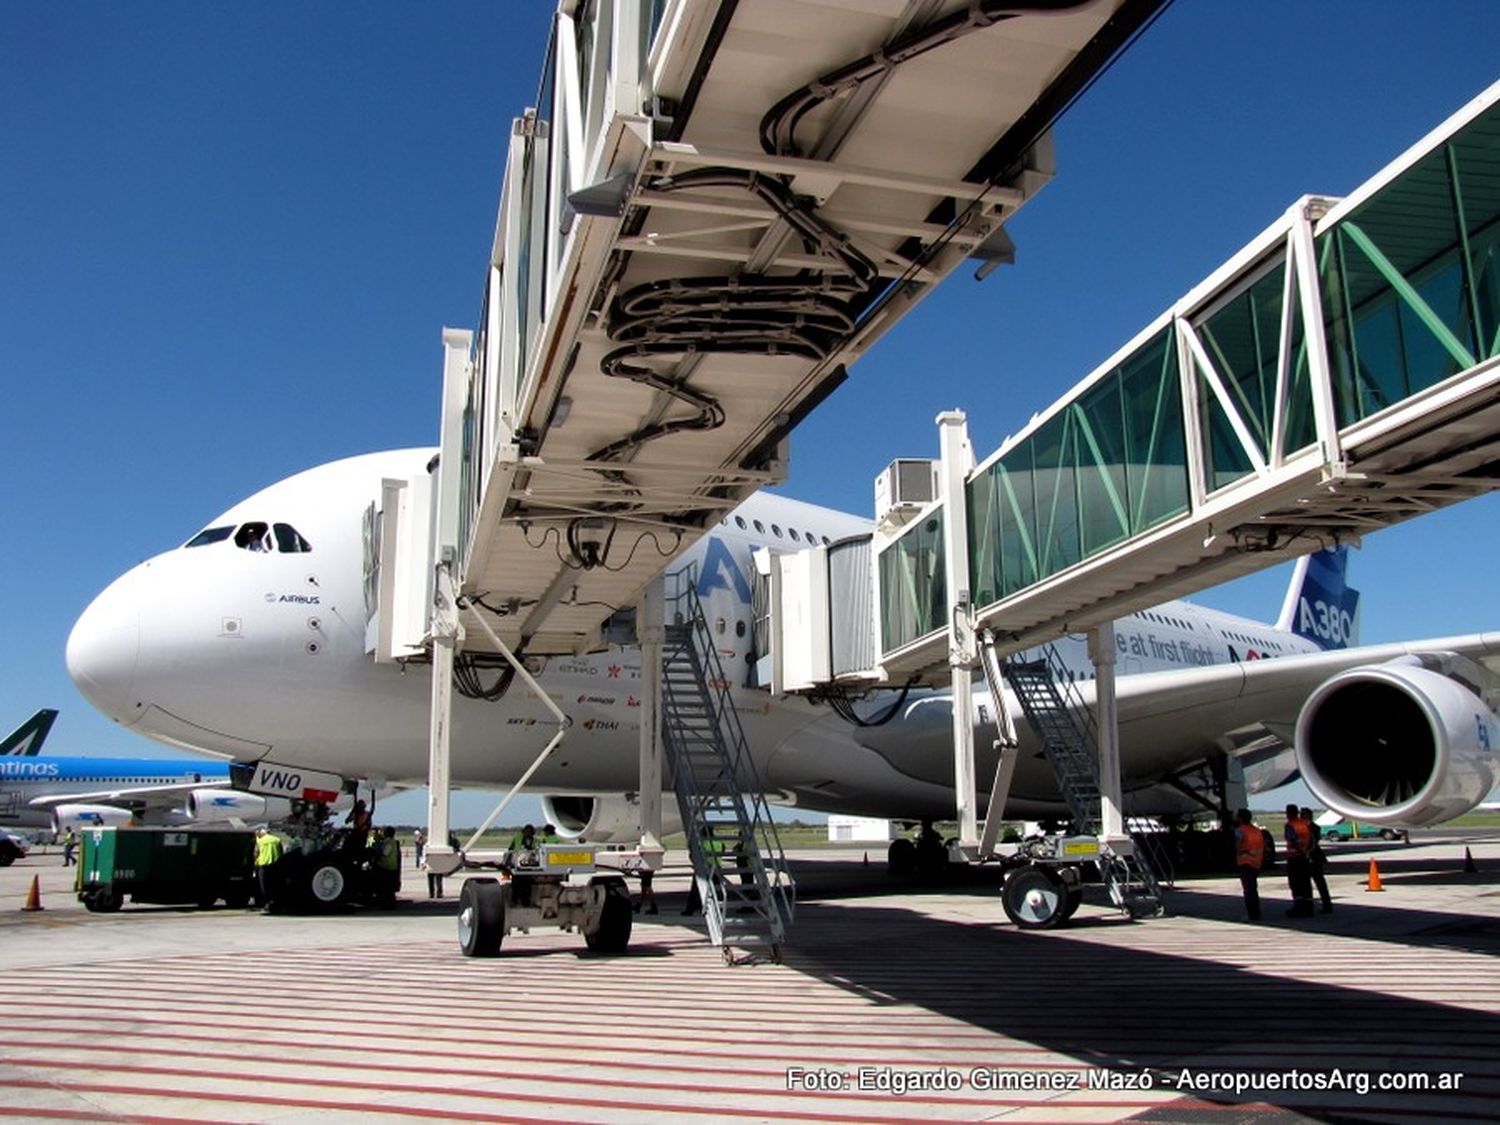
(253, 537)
(210, 535)
(288, 542)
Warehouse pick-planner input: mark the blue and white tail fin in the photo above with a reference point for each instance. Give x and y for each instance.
(27, 738)
(1319, 606)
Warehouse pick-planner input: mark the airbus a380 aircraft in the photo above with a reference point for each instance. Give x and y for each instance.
(249, 641)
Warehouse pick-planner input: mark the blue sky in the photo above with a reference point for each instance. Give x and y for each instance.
(230, 236)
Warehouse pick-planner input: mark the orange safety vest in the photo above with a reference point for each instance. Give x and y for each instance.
(1249, 846)
(1303, 847)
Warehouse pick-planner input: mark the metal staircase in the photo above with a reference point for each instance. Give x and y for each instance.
(738, 865)
(1065, 724)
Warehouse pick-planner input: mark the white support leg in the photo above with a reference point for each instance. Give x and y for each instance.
(1008, 744)
(1111, 802)
(650, 618)
(441, 859)
(957, 460)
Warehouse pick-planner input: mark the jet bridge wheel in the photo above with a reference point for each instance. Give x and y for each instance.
(481, 917)
(612, 934)
(1036, 898)
(901, 857)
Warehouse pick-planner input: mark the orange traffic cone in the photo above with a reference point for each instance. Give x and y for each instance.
(34, 896)
(1374, 881)
(1469, 866)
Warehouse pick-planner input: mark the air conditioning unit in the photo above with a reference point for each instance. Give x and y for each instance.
(905, 488)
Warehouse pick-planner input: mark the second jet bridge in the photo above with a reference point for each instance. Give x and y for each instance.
(1339, 375)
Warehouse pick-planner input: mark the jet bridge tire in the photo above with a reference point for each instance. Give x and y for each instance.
(481, 917)
(616, 918)
(1035, 898)
(1072, 899)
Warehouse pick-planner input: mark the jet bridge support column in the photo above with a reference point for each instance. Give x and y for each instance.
(963, 654)
(446, 632)
(650, 621)
(1111, 789)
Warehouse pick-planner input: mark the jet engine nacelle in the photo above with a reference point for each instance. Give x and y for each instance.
(613, 818)
(89, 816)
(212, 806)
(1397, 744)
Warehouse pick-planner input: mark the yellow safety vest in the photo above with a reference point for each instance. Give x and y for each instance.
(267, 850)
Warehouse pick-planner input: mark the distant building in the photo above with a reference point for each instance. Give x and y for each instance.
(856, 829)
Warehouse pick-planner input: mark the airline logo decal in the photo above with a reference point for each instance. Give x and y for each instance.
(1325, 606)
(720, 572)
(1325, 623)
(28, 769)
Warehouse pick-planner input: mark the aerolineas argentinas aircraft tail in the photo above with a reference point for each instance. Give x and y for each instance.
(27, 738)
(1320, 606)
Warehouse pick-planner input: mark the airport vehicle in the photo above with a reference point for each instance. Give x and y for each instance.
(167, 866)
(12, 847)
(321, 873)
(1353, 830)
(27, 739)
(263, 657)
(550, 885)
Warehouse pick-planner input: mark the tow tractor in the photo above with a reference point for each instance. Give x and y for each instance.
(553, 885)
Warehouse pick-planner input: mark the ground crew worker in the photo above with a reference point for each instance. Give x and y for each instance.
(388, 863)
(70, 845)
(1317, 861)
(1249, 854)
(524, 840)
(713, 853)
(1298, 835)
(418, 846)
(358, 824)
(267, 853)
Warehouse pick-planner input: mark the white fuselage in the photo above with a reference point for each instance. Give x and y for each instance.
(251, 653)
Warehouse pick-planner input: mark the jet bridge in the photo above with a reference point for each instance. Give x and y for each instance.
(1339, 375)
(712, 211)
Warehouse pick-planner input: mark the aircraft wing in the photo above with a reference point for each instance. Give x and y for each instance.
(1169, 718)
(152, 796)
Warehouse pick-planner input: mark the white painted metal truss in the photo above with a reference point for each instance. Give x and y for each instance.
(1338, 375)
(714, 209)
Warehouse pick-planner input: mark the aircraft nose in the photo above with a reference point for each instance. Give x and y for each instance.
(104, 649)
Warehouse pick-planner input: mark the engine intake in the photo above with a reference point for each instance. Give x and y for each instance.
(1397, 744)
(612, 818)
(214, 806)
(90, 816)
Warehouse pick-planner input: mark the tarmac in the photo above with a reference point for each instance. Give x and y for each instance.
(894, 1002)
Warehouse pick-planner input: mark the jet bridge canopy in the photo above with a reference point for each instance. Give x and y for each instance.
(711, 213)
(1339, 375)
